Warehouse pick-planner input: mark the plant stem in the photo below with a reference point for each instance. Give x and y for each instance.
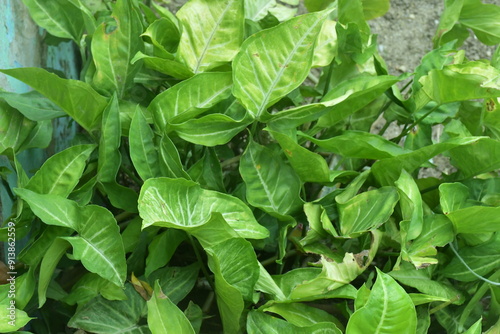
(202, 264)
(411, 126)
(208, 302)
(123, 216)
(230, 161)
(271, 260)
(131, 175)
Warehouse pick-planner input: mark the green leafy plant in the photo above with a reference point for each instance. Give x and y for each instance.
(232, 173)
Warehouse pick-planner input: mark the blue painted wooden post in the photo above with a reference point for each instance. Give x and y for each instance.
(21, 45)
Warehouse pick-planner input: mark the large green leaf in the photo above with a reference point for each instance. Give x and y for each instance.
(60, 18)
(90, 286)
(388, 170)
(170, 161)
(237, 263)
(211, 130)
(113, 45)
(375, 8)
(176, 282)
(472, 80)
(420, 279)
(359, 144)
(103, 316)
(271, 184)
(190, 98)
(367, 210)
(142, 149)
(78, 99)
(472, 160)
(389, 310)
(181, 203)
(301, 314)
(164, 317)
(164, 65)
(260, 323)
(32, 105)
(437, 230)
(50, 260)
(211, 33)
(98, 243)
(476, 219)
(110, 158)
(164, 35)
(482, 259)
(310, 167)
(15, 128)
(275, 61)
(256, 10)
(342, 101)
(482, 19)
(61, 172)
(162, 248)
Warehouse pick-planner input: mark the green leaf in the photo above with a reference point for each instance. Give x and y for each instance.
(472, 80)
(367, 210)
(60, 18)
(472, 160)
(164, 65)
(162, 248)
(50, 260)
(351, 95)
(194, 314)
(375, 8)
(260, 323)
(453, 196)
(301, 315)
(476, 219)
(236, 261)
(60, 174)
(170, 162)
(482, 19)
(190, 98)
(482, 259)
(420, 279)
(326, 46)
(109, 144)
(109, 317)
(211, 130)
(389, 309)
(476, 328)
(164, 35)
(271, 185)
(275, 61)
(212, 33)
(256, 10)
(388, 170)
(113, 45)
(176, 282)
(229, 299)
(309, 166)
(181, 203)
(359, 144)
(90, 286)
(15, 128)
(78, 99)
(39, 137)
(437, 231)
(142, 149)
(164, 317)
(25, 288)
(33, 105)
(7, 325)
(98, 244)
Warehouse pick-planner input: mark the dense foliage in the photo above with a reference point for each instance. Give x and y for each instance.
(230, 174)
